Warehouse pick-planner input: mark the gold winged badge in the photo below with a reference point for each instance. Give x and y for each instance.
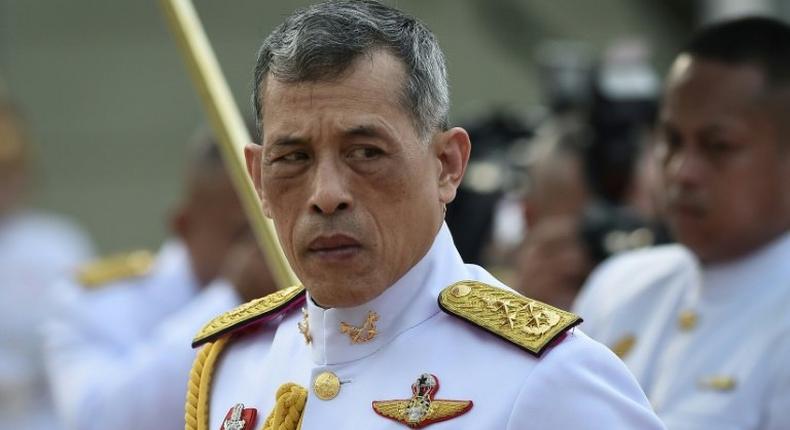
(422, 409)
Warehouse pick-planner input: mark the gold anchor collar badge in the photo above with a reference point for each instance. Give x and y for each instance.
(364, 333)
(304, 327)
(422, 409)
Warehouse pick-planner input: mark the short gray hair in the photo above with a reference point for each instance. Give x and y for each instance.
(320, 42)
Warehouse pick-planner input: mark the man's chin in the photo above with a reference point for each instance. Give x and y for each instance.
(329, 293)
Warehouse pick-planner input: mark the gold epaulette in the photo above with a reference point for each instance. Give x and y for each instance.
(115, 268)
(528, 323)
(249, 313)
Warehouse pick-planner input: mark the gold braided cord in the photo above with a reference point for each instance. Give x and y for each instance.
(288, 408)
(197, 404)
(193, 386)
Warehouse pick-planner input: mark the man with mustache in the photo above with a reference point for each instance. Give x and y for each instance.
(355, 167)
(703, 325)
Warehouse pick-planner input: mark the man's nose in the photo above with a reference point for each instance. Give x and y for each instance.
(330, 192)
(685, 167)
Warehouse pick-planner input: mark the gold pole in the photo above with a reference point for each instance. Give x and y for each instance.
(228, 125)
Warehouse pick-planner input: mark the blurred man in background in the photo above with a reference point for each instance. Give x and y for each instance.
(571, 225)
(35, 249)
(118, 344)
(704, 325)
(552, 262)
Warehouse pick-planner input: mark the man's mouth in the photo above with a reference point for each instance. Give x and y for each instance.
(686, 209)
(334, 247)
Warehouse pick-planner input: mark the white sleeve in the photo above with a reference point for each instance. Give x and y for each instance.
(580, 384)
(98, 385)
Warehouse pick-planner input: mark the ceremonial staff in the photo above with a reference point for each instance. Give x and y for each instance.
(228, 125)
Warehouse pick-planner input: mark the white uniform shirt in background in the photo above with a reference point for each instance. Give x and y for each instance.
(711, 346)
(119, 355)
(35, 250)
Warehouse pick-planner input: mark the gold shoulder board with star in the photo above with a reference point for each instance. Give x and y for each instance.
(254, 311)
(115, 268)
(528, 323)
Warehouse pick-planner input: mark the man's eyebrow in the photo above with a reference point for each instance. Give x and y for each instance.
(287, 140)
(365, 130)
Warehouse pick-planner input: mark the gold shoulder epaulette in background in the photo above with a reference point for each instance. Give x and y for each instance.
(528, 323)
(114, 268)
(251, 312)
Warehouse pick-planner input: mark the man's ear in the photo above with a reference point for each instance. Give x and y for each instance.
(179, 222)
(253, 154)
(452, 150)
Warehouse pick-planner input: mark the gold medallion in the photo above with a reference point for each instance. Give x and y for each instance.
(326, 386)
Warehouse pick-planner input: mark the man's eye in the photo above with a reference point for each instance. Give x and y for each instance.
(718, 147)
(293, 157)
(365, 153)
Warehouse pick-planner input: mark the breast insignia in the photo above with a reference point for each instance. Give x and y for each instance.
(255, 311)
(528, 323)
(717, 383)
(115, 268)
(423, 408)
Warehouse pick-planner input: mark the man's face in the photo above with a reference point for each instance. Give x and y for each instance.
(354, 192)
(212, 221)
(726, 172)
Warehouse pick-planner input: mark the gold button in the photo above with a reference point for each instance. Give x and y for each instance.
(461, 290)
(326, 386)
(687, 320)
(624, 345)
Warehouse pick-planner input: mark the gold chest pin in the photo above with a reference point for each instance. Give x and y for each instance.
(326, 386)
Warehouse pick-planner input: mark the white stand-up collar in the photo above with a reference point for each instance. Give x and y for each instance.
(408, 302)
(172, 271)
(764, 268)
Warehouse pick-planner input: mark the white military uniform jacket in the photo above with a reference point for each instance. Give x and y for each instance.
(36, 249)
(577, 384)
(117, 354)
(709, 345)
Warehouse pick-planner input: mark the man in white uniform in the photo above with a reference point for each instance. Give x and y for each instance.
(36, 248)
(355, 167)
(704, 325)
(116, 343)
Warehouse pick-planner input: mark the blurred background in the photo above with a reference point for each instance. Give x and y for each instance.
(97, 111)
(109, 104)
